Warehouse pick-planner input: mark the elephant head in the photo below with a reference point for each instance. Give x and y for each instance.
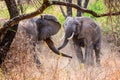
(72, 27)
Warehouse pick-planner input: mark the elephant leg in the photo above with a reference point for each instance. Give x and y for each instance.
(89, 59)
(79, 53)
(36, 59)
(97, 53)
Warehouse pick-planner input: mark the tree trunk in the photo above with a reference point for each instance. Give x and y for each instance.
(62, 10)
(79, 2)
(69, 9)
(9, 36)
(86, 3)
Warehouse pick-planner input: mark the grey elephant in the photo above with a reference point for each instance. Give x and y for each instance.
(42, 28)
(86, 33)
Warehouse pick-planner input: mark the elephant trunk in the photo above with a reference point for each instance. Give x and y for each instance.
(64, 44)
(52, 47)
(68, 35)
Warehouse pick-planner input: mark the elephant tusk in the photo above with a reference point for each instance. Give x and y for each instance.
(62, 38)
(71, 36)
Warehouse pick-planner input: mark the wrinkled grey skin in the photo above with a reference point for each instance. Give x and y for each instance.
(42, 28)
(87, 34)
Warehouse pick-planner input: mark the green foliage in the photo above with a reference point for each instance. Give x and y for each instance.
(54, 10)
(98, 7)
(3, 10)
(4, 14)
(28, 8)
(49, 10)
(61, 18)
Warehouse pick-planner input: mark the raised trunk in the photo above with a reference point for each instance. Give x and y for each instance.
(52, 47)
(64, 44)
(68, 35)
(9, 36)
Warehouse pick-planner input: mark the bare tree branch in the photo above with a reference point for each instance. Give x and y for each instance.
(62, 11)
(93, 13)
(16, 20)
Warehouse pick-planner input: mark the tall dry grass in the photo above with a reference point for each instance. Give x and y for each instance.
(19, 65)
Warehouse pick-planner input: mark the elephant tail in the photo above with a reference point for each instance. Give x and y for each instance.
(52, 47)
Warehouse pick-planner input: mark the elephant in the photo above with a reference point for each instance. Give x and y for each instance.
(42, 28)
(85, 33)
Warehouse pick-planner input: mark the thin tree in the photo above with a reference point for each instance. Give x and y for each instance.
(86, 3)
(79, 2)
(69, 9)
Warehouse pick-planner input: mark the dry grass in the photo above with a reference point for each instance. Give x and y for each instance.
(113, 6)
(20, 64)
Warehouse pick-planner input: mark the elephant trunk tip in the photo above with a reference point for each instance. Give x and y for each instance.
(62, 54)
(59, 48)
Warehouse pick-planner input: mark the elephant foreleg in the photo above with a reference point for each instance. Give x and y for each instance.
(97, 53)
(79, 53)
(36, 59)
(89, 60)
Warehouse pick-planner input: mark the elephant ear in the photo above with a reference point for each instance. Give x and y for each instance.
(79, 27)
(50, 17)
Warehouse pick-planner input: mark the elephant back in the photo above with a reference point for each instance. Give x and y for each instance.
(47, 21)
(49, 17)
